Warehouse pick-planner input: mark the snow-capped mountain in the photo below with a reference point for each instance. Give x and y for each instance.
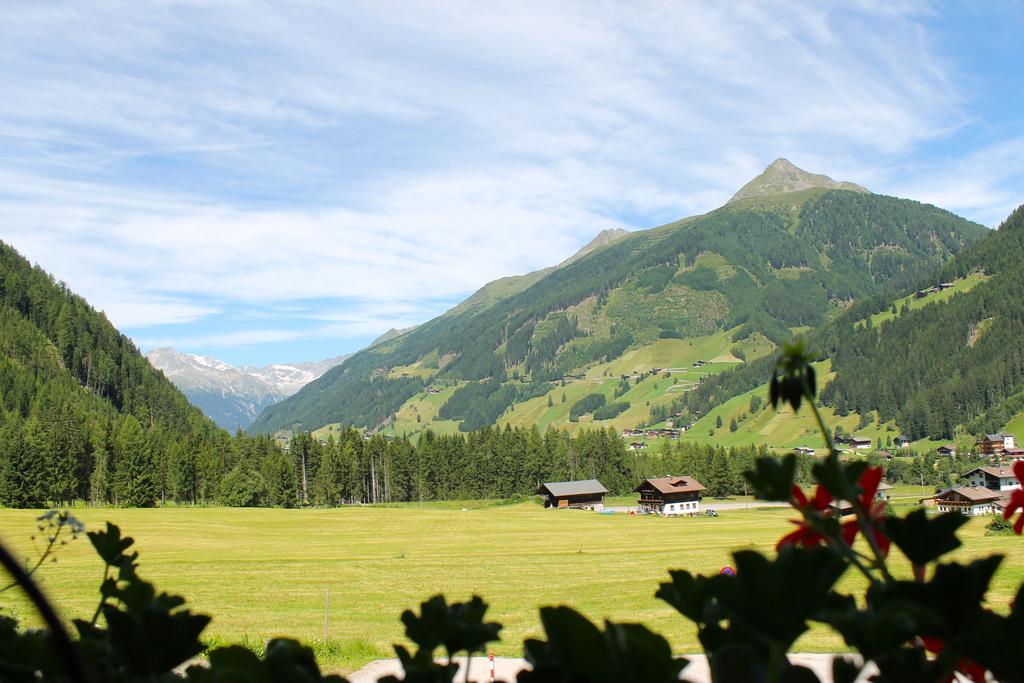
(233, 396)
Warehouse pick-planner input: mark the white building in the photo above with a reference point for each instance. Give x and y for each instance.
(968, 500)
(992, 478)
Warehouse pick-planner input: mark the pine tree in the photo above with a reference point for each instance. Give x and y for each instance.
(720, 477)
(133, 476)
(718, 422)
(23, 478)
(329, 488)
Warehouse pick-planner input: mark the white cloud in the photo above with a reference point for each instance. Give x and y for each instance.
(192, 159)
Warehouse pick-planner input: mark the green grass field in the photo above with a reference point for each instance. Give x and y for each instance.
(265, 572)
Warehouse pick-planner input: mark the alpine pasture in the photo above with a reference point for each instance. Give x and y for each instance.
(267, 572)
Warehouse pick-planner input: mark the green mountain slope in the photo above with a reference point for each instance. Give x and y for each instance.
(757, 267)
(82, 413)
(961, 359)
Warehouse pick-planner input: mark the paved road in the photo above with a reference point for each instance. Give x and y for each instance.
(506, 668)
(719, 506)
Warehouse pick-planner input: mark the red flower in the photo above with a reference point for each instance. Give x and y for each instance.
(804, 535)
(973, 670)
(868, 483)
(1016, 499)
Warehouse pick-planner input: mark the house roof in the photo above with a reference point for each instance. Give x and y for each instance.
(1000, 472)
(674, 485)
(882, 486)
(573, 488)
(975, 494)
(997, 437)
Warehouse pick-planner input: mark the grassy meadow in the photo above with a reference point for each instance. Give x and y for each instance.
(265, 572)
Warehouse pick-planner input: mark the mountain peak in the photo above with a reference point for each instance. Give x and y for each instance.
(782, 176)
(606, 236)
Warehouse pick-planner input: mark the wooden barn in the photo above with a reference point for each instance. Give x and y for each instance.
(588, 493)
(670, 496)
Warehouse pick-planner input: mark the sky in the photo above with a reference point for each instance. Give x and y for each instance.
(284, 181)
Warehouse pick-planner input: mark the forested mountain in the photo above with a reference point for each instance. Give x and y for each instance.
(233, 396)
(758, 267)
(83, 415)
(961, 362)
(937, 366)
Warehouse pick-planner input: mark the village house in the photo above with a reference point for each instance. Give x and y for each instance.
(1012, 454)
(992, 478)
(588, 494)
(859, 442)
(968, 500)
(994, 444)
(670, 496)
(803, 450)
(901, 442)
(948, 450)
(637, 446)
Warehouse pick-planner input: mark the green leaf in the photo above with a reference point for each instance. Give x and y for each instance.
(110, 546)
(771, 478)
(924, 539)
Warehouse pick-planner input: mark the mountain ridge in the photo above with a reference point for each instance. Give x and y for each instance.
(759, 270)
(233, 396)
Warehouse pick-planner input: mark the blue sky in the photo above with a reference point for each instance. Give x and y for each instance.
(269, 182)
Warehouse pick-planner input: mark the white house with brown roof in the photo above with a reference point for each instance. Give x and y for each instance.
(670, 496)
(968, 500)
(992, 478)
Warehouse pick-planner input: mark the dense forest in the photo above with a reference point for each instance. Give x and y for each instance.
(960, 362)
(766, 267)
(82, 414)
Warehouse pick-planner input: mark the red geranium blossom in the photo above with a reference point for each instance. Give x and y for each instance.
(973, 670)
(804, 534)
(1016, 499)
(875, 508)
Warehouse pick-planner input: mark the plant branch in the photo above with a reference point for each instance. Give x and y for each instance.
(73, 666)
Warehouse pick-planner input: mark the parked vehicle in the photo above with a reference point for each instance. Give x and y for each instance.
(711, 512)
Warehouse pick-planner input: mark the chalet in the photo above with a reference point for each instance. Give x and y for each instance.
(637, 446)
(670, 496)
(945, 285)
(859, 442)
(901, 442)
(803, 450)
(588, 494)
(885, 454)
(967, 500)
(992, 478)
(948, 450)
(993, 444)
(1013, 454)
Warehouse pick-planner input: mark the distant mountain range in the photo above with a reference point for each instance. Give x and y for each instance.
(234, 396)
(636, 319)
